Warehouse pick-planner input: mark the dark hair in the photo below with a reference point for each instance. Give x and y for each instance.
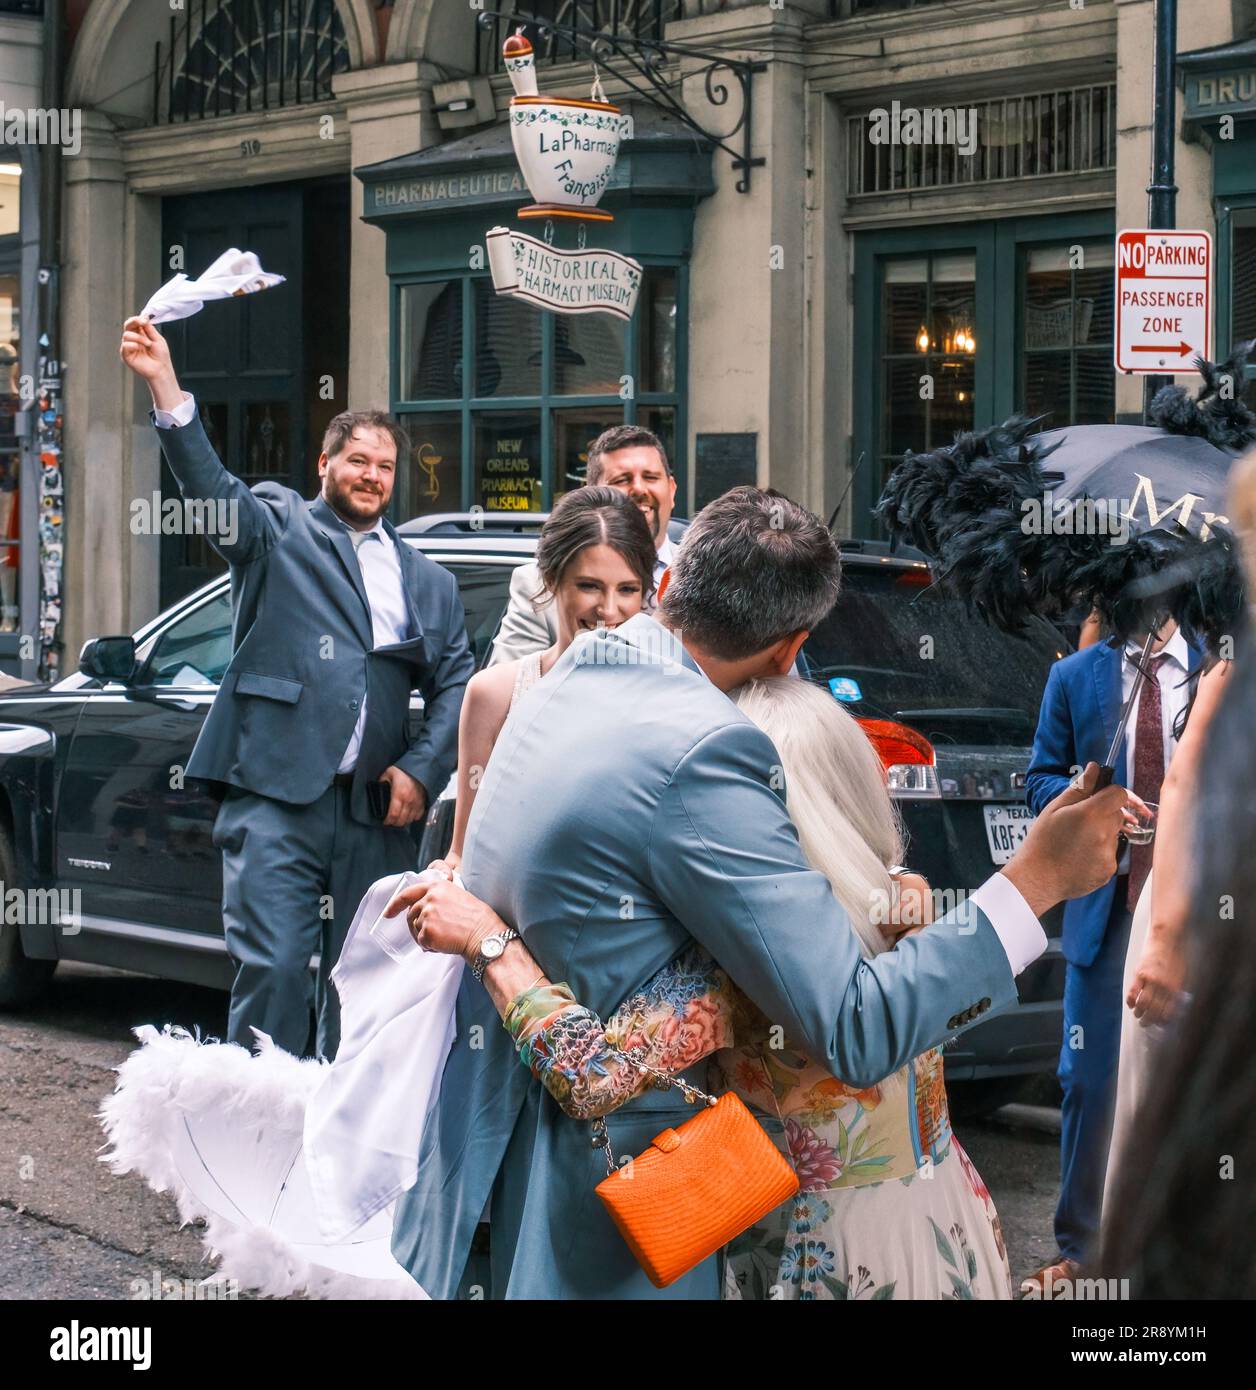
(596, 516)
(622, 437)
(753, 567)
(1179, 1225)
(340, 430)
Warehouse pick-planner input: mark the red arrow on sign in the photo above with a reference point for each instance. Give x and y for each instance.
(1181, 349)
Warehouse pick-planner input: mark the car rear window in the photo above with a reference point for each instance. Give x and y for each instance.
(485, 591)
(895, 648)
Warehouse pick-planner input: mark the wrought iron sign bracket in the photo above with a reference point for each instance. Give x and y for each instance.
(641, 68)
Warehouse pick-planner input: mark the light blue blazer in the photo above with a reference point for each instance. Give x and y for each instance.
(629, 809)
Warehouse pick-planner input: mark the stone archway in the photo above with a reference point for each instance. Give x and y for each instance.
(112, 54)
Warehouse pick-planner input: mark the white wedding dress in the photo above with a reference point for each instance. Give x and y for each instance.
(295, 1166)
(1141, 1044)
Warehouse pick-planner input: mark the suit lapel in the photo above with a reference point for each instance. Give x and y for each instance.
(334, 530)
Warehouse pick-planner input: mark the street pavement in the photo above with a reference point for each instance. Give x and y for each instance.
(70, 1229)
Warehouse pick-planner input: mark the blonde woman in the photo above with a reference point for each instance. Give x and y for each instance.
(890, 1205)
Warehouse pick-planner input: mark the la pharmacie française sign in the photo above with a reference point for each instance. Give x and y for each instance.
(569, 282)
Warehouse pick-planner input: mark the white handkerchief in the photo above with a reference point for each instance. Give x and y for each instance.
(234, 273)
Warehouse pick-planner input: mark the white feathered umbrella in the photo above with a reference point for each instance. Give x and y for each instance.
(294, 1165)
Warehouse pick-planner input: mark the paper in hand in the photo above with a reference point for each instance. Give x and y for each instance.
(234, 273)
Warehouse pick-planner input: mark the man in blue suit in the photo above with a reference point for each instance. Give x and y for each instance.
(630, 809)
(1081, 708)
(335, 620)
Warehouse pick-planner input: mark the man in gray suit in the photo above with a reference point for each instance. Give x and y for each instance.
(632, 459)
(628, 810)
(335, 620)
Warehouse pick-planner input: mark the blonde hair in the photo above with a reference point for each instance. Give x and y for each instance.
(836, 795)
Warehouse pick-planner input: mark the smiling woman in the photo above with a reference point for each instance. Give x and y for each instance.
(596, 562)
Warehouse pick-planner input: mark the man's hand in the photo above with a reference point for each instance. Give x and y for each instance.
(147, 354)
(1071, 849)
(407, 801)
(913, 910)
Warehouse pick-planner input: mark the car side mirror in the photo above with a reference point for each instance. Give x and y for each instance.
(108, 658)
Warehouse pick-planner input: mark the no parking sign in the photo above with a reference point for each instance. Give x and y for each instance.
(1163, 300)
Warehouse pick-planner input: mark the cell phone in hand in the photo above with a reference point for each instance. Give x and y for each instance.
(378, 795)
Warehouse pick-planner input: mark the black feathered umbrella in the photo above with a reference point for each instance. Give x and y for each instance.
(1127, 520)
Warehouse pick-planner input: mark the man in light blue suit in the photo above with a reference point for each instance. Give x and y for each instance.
(1081, 709)
(629, 809)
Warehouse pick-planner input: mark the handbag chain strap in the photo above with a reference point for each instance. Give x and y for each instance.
(662, 1082)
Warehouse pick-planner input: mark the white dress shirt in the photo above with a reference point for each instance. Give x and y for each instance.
(1174, 696)
(381, 573)
(661, 561)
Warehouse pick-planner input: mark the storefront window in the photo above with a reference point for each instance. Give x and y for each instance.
(507, 453)
(928, 351)
(431, 340)
(1066, 342)
(1243, 290)
(431, 481)
(502, 401)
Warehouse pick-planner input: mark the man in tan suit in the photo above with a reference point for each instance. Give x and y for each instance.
(631, 459)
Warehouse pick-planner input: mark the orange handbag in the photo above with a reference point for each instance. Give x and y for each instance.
(695, 1188)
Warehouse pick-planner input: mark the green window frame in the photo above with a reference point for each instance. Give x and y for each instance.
(1000, 247)
(637, 406)
(1234, 214)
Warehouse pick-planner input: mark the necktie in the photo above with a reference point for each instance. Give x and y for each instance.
(1148, 769)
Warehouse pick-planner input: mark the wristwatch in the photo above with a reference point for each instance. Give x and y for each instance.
(490, 948)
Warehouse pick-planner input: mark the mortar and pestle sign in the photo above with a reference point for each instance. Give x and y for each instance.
(566, 148)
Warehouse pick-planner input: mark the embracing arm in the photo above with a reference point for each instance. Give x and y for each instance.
(725, 858)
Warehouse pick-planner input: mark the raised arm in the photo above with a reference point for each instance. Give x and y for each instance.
(724, 857)
(247, 523)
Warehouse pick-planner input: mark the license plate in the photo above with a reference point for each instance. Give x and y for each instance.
(1006, 827)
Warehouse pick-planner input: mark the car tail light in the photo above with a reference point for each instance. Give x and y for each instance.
(911, 765)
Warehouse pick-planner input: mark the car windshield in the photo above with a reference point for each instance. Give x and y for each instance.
(895, 648)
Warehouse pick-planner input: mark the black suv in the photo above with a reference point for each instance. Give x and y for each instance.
(92, 799)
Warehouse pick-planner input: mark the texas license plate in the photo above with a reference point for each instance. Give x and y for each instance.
(1006, 827)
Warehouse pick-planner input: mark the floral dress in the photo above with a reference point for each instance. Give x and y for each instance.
(890, 1205)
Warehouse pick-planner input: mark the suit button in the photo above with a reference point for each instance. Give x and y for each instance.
(353, 704)
(984, 1005)
(954, 1021)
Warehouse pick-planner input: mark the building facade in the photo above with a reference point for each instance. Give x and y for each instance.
(802, 321)
(20, 78)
